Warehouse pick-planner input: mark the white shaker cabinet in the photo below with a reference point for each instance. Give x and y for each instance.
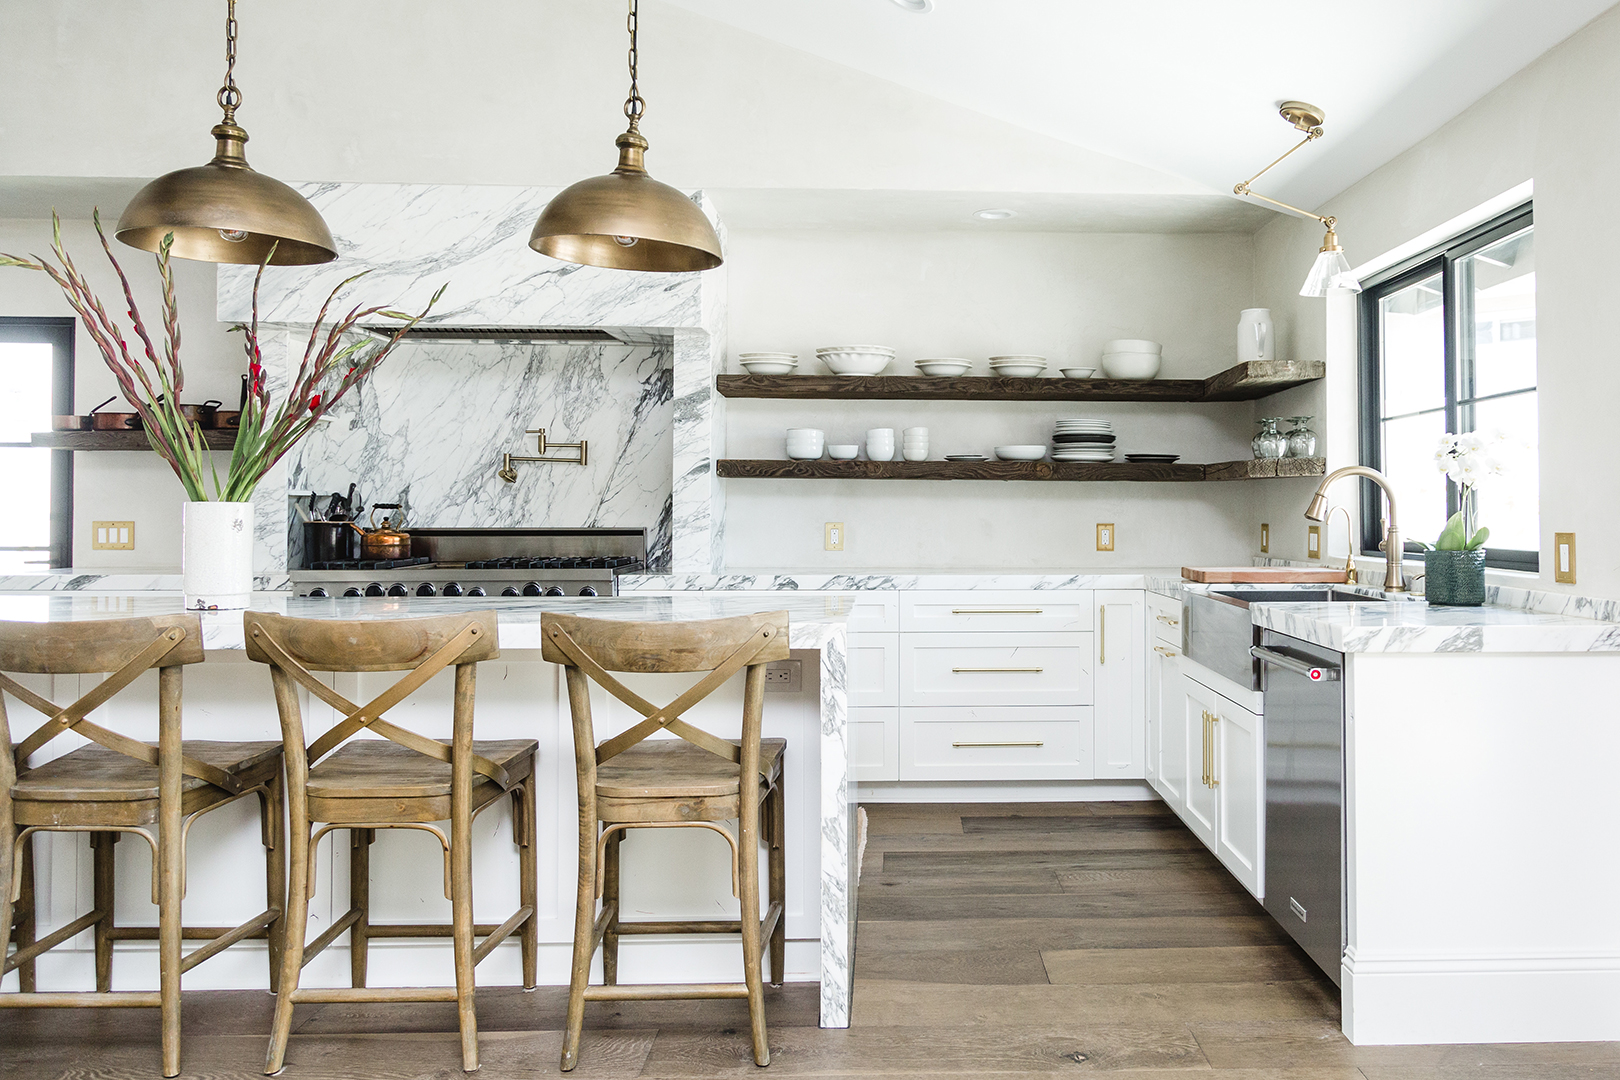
(1119, 684)
(1167, 726)
(1225, 798)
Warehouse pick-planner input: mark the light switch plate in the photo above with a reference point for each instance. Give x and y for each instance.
(112, 536)
(1265, 539)
(1105, 536)
(834, 540)
(1313, 541)
(1564, 558)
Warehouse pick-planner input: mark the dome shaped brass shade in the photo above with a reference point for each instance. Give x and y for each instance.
(225, 212)
(626, 220)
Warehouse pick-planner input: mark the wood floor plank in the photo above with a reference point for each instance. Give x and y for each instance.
(1069, 933)
(886, 906)
(1144, 824)
(1305, 1042)
(884, 1003)
(1244, 963)
(978, 967)
(914, 881)
(1194, 878)
(1536, 1071)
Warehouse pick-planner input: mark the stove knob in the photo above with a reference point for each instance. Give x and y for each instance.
(374, 589)
(589, 590)
(532, 589)
(318, 593)
(477, 590)
(351, 591)
(452, 588)
(510, 590)
(552, 590)
(396, 589)
(426, 589)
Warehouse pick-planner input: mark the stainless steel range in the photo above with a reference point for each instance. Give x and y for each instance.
(487, 562)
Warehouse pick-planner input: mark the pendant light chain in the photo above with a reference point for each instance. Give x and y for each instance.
(634, 105)
(230, 98)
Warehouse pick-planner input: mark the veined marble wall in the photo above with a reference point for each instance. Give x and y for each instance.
(438, 442)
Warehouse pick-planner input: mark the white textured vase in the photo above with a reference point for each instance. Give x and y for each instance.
(217, 547)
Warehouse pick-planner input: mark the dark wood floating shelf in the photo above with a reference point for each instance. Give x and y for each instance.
(222, 439)
(769, 469)
(1245, 382)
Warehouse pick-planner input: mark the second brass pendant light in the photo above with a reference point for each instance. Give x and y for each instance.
(626, 220)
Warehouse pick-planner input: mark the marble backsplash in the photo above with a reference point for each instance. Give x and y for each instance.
(429, 427)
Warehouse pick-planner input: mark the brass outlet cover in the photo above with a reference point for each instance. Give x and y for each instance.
(1265, 539)
(1105, 536)
(1313, 541)
(1564, 558)
(112, 536)
(833, 539)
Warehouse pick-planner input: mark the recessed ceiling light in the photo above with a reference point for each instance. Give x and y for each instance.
(991, 215)
(916, 7)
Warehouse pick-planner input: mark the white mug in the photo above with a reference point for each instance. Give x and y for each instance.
(1254, 336)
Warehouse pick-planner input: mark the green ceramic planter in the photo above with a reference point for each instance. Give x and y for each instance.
(1454, 578)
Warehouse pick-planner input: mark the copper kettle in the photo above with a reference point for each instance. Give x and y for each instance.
(385, 541)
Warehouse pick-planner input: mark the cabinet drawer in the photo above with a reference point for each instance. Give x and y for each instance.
(876, 612)
(874, 669)
(1164, 619)
(955, 612)
(996, 743)
(995, 669)
(874, 744)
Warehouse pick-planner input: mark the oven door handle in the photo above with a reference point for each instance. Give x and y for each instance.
(1313, 672)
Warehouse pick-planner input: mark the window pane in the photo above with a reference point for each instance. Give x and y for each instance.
(25, 390)
(1510, 505)
(24, 562)
(1420, 487)
(1413, 329)
(1501, 281)
(27, 518)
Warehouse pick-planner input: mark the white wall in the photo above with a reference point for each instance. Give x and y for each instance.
(971, 295)
(1543, 125)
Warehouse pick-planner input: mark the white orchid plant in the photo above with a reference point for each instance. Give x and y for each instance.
(1466, 459)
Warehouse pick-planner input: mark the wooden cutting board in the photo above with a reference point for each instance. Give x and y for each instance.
(1236, 574)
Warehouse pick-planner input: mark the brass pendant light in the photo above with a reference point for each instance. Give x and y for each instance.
(626, 220)
(224, 212)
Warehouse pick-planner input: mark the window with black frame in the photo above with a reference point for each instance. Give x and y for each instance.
(1448, 344)
(36, 382)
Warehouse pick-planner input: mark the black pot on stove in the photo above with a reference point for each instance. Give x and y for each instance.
(329, 541)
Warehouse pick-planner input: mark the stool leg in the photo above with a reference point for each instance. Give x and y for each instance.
(528, 887)
(171, 864)
(27, 914)
(610, 897)
(360, 841)
(296, 928)
(584, 925)
(778, 869)
(461, 918)
(748, 857)
(101, 845)
(8, 852)
(273, 827)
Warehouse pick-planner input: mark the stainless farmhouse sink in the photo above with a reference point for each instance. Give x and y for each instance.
(1219, 631)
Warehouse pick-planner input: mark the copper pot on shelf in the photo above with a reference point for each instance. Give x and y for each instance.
(385, 541)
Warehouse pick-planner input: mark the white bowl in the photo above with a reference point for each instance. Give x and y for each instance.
(767, 356)
(843, 451)
(1078, 372)
(1132, 345)
(1027, 357)
(943, 365)
(1018, 369)
(1131, 365)
(1021, 453)
(856, 359)
(768, 366)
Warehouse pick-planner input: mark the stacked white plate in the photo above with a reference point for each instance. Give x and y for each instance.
(1097, 444)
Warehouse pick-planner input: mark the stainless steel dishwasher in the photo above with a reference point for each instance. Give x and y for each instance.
(1304, 717)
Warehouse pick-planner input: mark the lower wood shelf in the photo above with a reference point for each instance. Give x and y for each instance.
(219, 439)
(770, 469)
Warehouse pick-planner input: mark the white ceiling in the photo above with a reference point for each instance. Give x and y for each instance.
(1189, 87)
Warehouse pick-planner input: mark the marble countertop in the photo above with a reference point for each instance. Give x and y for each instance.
(812, 622)
(986, 578)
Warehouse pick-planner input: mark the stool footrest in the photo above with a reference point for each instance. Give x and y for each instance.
(253, 926)
(423, 929)
(698, 926)
(313, 949)
(331, 994)
(50, 941)
(499, 934)
(114, 999)
(666, 992)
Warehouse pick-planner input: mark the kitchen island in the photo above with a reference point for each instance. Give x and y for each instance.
(669, 875)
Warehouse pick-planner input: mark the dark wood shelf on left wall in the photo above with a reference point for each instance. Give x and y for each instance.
(222, 439)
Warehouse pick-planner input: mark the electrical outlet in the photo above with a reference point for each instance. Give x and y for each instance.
(784, 677)
(1564, 558)
(1105, 536)
(1313, 541)
(1265, 539)
(834, 540)
(112, 536)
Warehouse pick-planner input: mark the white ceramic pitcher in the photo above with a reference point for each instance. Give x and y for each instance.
(1254, 337)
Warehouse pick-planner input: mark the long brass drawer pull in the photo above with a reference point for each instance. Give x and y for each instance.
(996, 611)
(1167, 620)
(1102, 633)
(1032, 742)
(1214, 758)
(1162, 651)
(997, 670)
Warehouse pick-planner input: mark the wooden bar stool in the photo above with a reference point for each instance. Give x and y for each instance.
(694, 781)
(118, 785)
(401, 781)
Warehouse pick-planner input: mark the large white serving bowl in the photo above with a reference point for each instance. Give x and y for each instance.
(1131, 365)
(1132, 345)
(1021, 453)
(944, 365)
(856, 359)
